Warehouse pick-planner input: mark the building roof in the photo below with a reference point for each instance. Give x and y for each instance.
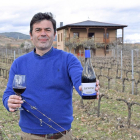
(89, 23)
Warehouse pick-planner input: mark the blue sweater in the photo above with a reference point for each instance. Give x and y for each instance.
(49, 80)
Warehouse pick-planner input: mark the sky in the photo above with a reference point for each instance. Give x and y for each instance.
(16, 14)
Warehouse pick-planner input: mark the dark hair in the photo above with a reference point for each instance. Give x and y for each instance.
(42, 16)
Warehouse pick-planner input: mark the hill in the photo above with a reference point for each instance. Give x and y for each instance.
(15, 35)
(10, 41)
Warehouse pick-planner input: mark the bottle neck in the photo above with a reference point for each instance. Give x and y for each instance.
(87, 61)
(87, 56)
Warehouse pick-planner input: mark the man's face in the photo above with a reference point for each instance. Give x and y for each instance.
(43, 35)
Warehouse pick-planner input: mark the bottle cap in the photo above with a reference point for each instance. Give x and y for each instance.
(87, 53)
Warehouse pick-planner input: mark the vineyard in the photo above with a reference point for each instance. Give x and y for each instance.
(114, 116)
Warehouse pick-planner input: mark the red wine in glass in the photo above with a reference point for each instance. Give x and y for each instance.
(19, 84)
(19, 90)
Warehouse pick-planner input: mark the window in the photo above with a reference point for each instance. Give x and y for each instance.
(91, 35)
(107, 35)
(76, 35)
(61, 37)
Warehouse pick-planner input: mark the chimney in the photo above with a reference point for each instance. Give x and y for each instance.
(61, 24)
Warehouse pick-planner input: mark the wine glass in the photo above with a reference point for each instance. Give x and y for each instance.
(19, 84)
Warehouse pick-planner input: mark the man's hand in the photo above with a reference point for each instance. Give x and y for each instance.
(14, 102)
(97, 88)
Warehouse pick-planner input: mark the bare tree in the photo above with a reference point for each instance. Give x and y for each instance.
(72, 43)
(89, 43)
(69, 45)
(27, 46)
(129, 106)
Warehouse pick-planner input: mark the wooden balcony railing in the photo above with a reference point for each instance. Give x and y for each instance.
(95, 40)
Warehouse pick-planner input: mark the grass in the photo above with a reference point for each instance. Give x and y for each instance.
(111, 125)
(8, 121)
(107, 126)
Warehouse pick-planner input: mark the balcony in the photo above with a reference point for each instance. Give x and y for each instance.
(95, 39)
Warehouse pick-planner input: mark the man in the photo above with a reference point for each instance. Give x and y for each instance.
(50, 76)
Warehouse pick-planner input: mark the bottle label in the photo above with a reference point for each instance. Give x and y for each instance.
(88, 89)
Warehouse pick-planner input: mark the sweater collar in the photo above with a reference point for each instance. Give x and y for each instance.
(45, 55)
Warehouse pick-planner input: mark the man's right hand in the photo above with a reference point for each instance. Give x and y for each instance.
(14, 102)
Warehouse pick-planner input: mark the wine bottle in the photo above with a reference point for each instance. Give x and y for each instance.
(88, 78)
